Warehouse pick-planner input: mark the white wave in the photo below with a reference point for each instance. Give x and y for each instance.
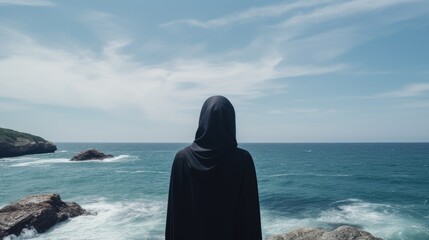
(26, 233)
(280, 175)
(349, 200)
(309, 174)
(24, 162)
(381, 220)
(274, 224)
(114, 220)
(41, 162)
(139, 171)
(118, 158)
(62, 151)
(108, 160)
(21, 158)
(145, 219)
(332, 175)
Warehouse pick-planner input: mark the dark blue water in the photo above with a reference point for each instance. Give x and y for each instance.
(380, 187)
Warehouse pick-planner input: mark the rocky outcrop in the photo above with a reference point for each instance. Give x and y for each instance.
(90, 154)
(340, 233)
(39, 212)
(13, 143)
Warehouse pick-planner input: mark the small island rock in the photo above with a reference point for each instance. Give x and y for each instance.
(13, 144)
(90, 154)
(340, 233)
(38, 211)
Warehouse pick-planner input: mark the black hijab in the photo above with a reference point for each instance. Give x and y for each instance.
(215, 136)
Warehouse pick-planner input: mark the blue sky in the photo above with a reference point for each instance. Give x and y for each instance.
(139, 71)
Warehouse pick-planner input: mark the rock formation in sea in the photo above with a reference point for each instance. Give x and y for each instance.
(38, 211)
(91, 154)
(340, 233)
(13, 143)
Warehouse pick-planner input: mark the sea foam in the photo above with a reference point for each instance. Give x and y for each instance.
(39, 162)
(381, 220)
(119, 158)
(26, 233)
(25, 162)
(139, 171)
(113, 220)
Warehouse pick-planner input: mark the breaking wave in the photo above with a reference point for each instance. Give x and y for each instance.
(381, 220)
(113, 220)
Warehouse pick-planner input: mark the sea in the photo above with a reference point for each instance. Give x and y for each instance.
(382, 188)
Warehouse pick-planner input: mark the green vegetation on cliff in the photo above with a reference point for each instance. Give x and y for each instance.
(14, 143)
(9, 135)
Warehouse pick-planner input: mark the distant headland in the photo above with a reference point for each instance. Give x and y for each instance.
(14, 143)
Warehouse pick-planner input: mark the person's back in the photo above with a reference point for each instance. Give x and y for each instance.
(213, 188)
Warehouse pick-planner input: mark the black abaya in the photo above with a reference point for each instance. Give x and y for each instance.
(213, 188)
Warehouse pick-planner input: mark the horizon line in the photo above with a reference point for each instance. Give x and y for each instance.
(250, 142)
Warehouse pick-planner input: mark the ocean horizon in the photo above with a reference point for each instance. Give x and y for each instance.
(382, 188)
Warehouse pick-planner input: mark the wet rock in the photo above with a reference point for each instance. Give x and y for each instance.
(91, 154)
(38, 211)
(340, 233)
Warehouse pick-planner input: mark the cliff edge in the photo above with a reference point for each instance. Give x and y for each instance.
(14, 143)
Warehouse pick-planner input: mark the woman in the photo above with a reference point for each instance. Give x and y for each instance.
(213, 188)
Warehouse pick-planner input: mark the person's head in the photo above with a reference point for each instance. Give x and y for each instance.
(216, 128)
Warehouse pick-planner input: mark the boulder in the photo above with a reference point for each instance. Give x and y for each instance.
(91, 154)
(340, 233)
(38, 211)
(13, 144)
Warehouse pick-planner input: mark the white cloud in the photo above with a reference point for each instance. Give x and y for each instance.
(310, 111)
(345, 9)
(35, 3)
(112, 80)
(301, 31)
(107, 26)
(75, 77)
(411, 90)
(302, 43)
(251, 14)
(416, 105)
(297, 13)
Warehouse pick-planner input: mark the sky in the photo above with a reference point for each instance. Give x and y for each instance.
(139, 71)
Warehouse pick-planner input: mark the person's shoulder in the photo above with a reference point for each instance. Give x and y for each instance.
(243, 152)
(182, 153)
(180, 158)
(245, 158)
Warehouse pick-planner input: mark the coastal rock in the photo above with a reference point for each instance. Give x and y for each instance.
(13, 144)
(340, 233)
(38, 211)
(90, 154)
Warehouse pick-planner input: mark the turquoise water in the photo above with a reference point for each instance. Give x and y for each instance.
(382, 188)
